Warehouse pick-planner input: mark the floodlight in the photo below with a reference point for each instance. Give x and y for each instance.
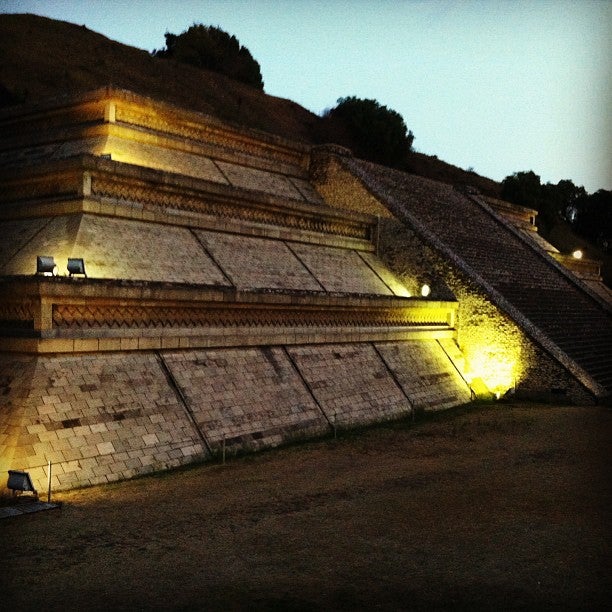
(76, 266)
(425, 290)
(46, 265)
(20, 481)
(577, 254)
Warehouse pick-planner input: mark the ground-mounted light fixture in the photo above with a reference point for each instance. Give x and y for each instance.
(577, 254)
(425, 289)
(19, 481)
(45, 265)
(76, 265)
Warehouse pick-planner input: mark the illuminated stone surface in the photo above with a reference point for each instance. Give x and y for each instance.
(257, 262)
(251, 398)
(351, 383)
(246, 289)
(518, 307)
(96, 417)
(421, 368)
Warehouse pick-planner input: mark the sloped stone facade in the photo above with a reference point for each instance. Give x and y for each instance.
(227, 306)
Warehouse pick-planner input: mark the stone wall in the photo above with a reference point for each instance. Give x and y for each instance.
(247, 398)
(97, 418)
(104, 417)
(131, 249)
(114, 248)
(425, 375)
(496, 350)
(227, 305)
(339, 186)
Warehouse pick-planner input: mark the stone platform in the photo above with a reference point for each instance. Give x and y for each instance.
(226, 305)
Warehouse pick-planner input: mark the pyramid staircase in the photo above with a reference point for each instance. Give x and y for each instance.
(556, 309)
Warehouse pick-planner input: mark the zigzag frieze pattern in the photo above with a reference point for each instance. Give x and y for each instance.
(134, 116)
(37, 187)
(110, 187)
(91, 316)
(17, 314)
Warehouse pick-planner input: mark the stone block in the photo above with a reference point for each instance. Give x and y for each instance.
(426, 374)
(351, 383)
(249, 397)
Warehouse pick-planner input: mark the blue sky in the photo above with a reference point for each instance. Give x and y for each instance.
(497, 86)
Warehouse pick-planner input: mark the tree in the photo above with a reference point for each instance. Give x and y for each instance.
(559, 201)
(551, 201)
(522, 188)
(214, 49)
(594, 218)
(379, 134)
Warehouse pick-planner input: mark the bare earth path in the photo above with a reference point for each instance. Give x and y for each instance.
(504, 506)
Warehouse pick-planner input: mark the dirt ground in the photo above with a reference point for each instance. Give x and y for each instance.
(501, 506)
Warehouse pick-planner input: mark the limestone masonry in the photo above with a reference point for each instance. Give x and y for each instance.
(242, 291)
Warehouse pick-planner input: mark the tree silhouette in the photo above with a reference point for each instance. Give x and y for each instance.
(594, 218)
(589, 215)
(379, 134)
(214, 49)
(523, 188)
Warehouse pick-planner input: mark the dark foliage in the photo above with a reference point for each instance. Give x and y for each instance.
(593, 218)
(379, 134)
(589, 215)
(211, 48)
(522, 188)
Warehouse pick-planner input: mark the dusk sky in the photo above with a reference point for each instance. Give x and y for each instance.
(496, 86)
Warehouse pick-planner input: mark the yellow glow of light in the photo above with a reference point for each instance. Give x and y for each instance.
(398, 288)
(497, 371)
(425, 290)
(496, 357)
(497, 366)
(577, 254)
(401, 291)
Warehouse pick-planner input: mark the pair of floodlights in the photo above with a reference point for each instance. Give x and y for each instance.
(46, 266)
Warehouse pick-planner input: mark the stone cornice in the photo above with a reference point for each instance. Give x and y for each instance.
(151, 191)
(58, 314)
(38, 123)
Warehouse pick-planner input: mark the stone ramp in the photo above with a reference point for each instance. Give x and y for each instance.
(137, 250)
(97, 418)
(572, 323)
(247, 399)
(546, 302)
(105, 417)
(422, 369)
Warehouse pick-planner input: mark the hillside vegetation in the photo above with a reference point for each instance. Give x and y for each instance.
(41, 57)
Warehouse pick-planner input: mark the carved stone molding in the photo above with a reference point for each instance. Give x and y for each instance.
(154, 191)
(153, 196)
(173, 123)
(70, 316)
(17, 315)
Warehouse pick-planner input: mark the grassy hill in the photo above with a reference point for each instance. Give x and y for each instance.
(41, 57)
